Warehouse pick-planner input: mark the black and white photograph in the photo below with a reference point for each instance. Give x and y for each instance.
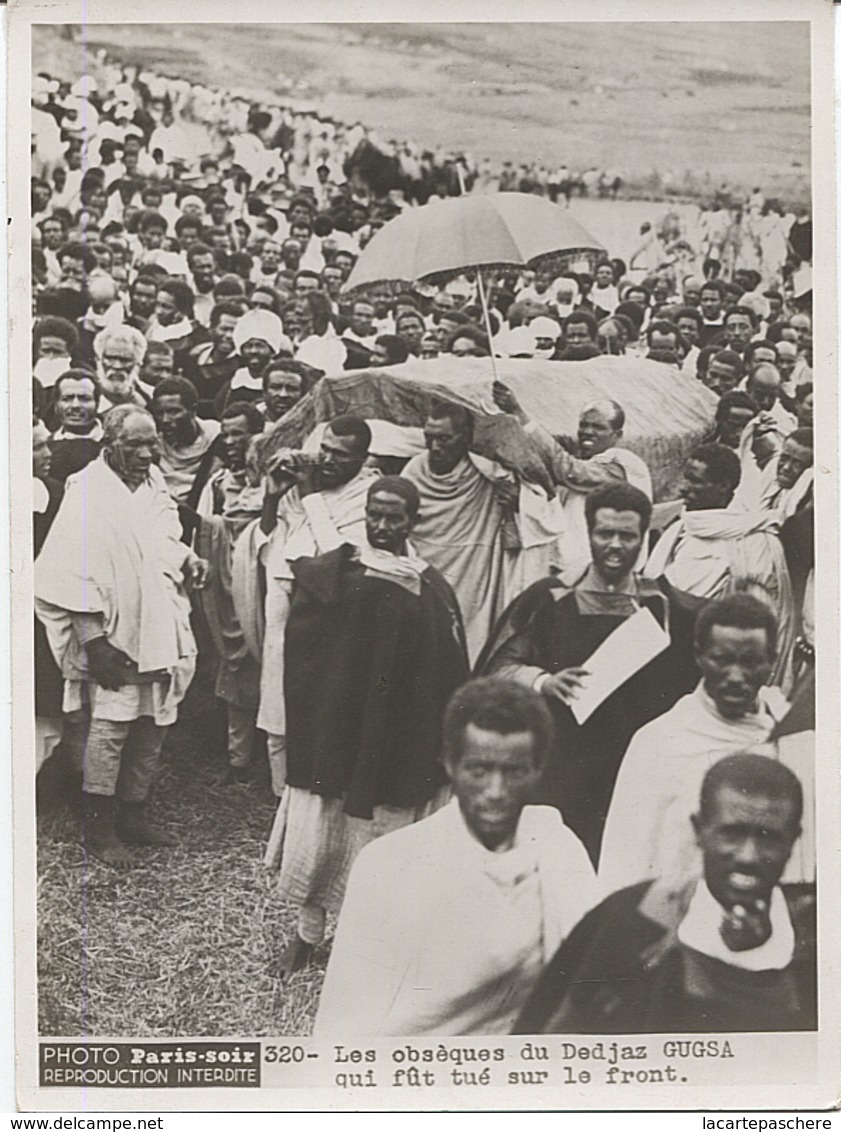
(417, 629)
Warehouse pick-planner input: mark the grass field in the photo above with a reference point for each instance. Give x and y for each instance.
(183, 944)
(701, 102)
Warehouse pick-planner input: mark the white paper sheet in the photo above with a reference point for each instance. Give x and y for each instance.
(628, 649)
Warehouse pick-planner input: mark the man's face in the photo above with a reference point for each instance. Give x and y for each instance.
(596, 433)
(341, 459)
(604, 276)
(344, 262)
(801, 324)
(290, 252)
(721, 378)
(270, 256)
(41, 455)
(745, 841)
(764, 387)
(775, 307)
(176, 423)
(637, 295)
(301, 233)
(362, 320)
(429, 345)
(577, 334)
(189, 238)
(153, 237)
(615, 542)
(282, 392)
(156, 367)
(143, 299)
(387, 522)
(738, 331)
(664, 342)
(794, 460)
(299, 214)
(235, 437)
(40, 198)
(255, 353)
(734, 665)
(76, 403)
(52, 234)
(660, 291)
(786, 359)
(204, 269)
(411, 329)
(710, 304)
(494, 777)
(305, 283)
(698, 491)
(135, 449)
(691, 295)
(217, 211)
(689, 329)
(332, 279)
(223, 335)
(804, 410)
(51, 346)
(445, 444)
(72, 271)
(118, 372)
(166, 312)
(730, 429)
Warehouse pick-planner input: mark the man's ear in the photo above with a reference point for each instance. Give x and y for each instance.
(696, 826)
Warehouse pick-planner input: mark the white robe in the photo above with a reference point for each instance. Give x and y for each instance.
(439, 935)
(648, 833)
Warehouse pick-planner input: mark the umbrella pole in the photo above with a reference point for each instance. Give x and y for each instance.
(484, 301)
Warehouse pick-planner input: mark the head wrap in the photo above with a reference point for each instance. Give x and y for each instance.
(259, 324)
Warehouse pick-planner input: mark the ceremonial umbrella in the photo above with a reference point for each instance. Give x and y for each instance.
(495, 230)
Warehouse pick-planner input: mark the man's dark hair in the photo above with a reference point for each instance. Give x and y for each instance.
(729, 358)
(751, 775)
(396, 348)
(634, 314)
(182, 295)
(51, 326)
(472, 333)
(758, 344)
(151, 219)
(712, 285)
(618, 497)
(748, 312)
(688, 312)
(197, 249)
(356, 427)
(736, 611)
(397, 485)
(185, 222)
(662, 326)
(584, 317)
(803, 391)
(722, 464)
(309, 375)
(459, 417)
(500, 706)
(232, 308)
(78, 375)
(805, 437)
(77, 250)
(177, 387)
(246, 409)
(735, 399)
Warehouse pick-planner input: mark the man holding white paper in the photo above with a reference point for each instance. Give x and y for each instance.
(597, 647)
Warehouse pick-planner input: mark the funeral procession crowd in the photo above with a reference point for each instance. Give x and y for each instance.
(536, 699)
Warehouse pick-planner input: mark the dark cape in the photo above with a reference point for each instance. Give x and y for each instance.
(369, 670)
(624, 971)
(543, 627)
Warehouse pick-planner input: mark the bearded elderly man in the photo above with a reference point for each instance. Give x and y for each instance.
(733, 951)
(119, 352)
(448, 922)
(596, 459)
(110, 588)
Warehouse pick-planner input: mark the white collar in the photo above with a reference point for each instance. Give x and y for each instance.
(95, 434)
(699, 930)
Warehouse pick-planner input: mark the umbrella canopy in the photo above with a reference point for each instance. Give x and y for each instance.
(490, 230)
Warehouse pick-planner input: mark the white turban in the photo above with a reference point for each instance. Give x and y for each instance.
(260, 324)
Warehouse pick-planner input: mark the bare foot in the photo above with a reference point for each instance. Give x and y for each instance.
(294, 957)
(112, 852)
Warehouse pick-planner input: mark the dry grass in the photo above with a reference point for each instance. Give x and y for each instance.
(183, 944)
